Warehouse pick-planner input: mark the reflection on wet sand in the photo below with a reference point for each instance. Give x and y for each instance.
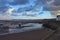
(28, 27)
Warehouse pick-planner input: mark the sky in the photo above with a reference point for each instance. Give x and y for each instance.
(31, 8)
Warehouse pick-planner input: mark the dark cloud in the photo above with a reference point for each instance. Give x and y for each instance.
(43, 1)
(51, 8)
(22, 2)
(19, 2)
(3, 8)
(39, 2)
(3, 5)
(25, 9)
(57, 2)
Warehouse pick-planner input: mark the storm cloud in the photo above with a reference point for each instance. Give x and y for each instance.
(53, 6)
(6, 4)
(17, 7)
(19, 2)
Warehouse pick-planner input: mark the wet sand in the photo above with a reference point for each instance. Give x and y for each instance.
(31, 35)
